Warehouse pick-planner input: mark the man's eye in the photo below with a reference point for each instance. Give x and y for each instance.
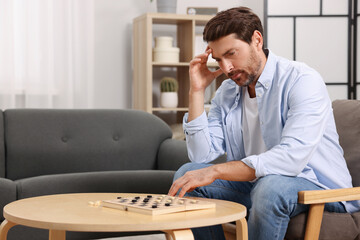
(231, 53)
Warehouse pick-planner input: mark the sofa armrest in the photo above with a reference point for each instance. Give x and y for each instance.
(317, 200)
(8, 194)
(330, 195)
(172, 154)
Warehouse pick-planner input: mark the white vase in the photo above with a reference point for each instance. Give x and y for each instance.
(169, 99)
(166, 6)
(164, 51)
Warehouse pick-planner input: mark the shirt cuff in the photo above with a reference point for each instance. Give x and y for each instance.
(195, 125)
(254, 163)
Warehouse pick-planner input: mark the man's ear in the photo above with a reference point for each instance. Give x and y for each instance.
(257, 39)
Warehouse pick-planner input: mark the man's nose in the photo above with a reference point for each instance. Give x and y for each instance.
(227, 66)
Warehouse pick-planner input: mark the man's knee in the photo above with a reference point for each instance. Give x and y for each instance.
(274, 191)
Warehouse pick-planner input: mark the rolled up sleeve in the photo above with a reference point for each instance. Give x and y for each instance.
(202, 144)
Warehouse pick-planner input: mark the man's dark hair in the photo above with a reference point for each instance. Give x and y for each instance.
(240, 20)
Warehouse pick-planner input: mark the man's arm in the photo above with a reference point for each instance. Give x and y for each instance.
(231, 171)
(200, 79)
(204, 137)
(308, 115)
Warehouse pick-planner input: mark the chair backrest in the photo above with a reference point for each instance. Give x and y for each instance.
(347, 118)
(54, 141)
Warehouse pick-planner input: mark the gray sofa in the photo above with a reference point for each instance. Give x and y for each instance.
(69, 151)
(66, 151)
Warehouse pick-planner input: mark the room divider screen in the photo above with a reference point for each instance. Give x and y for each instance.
(320, 33)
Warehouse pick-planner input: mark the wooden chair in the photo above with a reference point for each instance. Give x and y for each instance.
(317, 200)
(317, 224)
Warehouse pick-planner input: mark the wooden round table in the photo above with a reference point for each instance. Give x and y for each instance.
(72, 212)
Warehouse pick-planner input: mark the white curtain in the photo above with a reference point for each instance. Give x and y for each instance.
(46, 53)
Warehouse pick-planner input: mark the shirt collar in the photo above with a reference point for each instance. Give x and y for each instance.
(267, 75)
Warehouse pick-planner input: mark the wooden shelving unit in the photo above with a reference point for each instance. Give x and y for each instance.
(143, 65)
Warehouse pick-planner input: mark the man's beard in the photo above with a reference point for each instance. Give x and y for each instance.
(250, 78)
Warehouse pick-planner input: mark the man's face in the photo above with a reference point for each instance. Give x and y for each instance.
(240, 61)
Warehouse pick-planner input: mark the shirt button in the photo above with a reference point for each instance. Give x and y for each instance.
(260, 95)
(261, 122)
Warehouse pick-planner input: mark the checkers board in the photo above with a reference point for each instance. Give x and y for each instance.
(156, 204)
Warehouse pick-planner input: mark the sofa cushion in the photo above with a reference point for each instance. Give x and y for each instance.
(139, 181)
(7, 194)
(347, 118)
(356, 217)
(334, 226)
(53, 141)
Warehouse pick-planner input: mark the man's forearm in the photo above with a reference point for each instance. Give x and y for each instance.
(234, 171)
(196, 104)
(231, 171)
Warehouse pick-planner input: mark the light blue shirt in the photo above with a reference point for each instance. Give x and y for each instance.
(296, 121)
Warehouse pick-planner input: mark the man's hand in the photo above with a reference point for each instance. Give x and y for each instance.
(200, 78)
(200, 75)
(192, 180)
(230, 171)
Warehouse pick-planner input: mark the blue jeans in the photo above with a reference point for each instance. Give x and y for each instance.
(271, 201)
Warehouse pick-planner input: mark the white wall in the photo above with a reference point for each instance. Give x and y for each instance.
(329, 57)
(113, 35)
(113, 43)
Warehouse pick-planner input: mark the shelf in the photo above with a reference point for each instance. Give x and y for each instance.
(180, 64)
(213, 64)
(170, 18)
(144, 31)
(160, 109)
(170, 64)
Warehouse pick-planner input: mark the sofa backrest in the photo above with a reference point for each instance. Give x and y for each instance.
(347, 118)
(50, 141)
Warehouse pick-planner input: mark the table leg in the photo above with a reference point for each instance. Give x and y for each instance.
(57, 234)
(241, 229)
(4, 228)
(185, 234)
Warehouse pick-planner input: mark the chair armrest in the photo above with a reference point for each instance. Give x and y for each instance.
(330, 195)
(317, 200)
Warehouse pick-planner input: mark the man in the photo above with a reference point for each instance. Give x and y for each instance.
(274, 120)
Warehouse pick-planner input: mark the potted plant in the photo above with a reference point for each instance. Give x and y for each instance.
(168, 96)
